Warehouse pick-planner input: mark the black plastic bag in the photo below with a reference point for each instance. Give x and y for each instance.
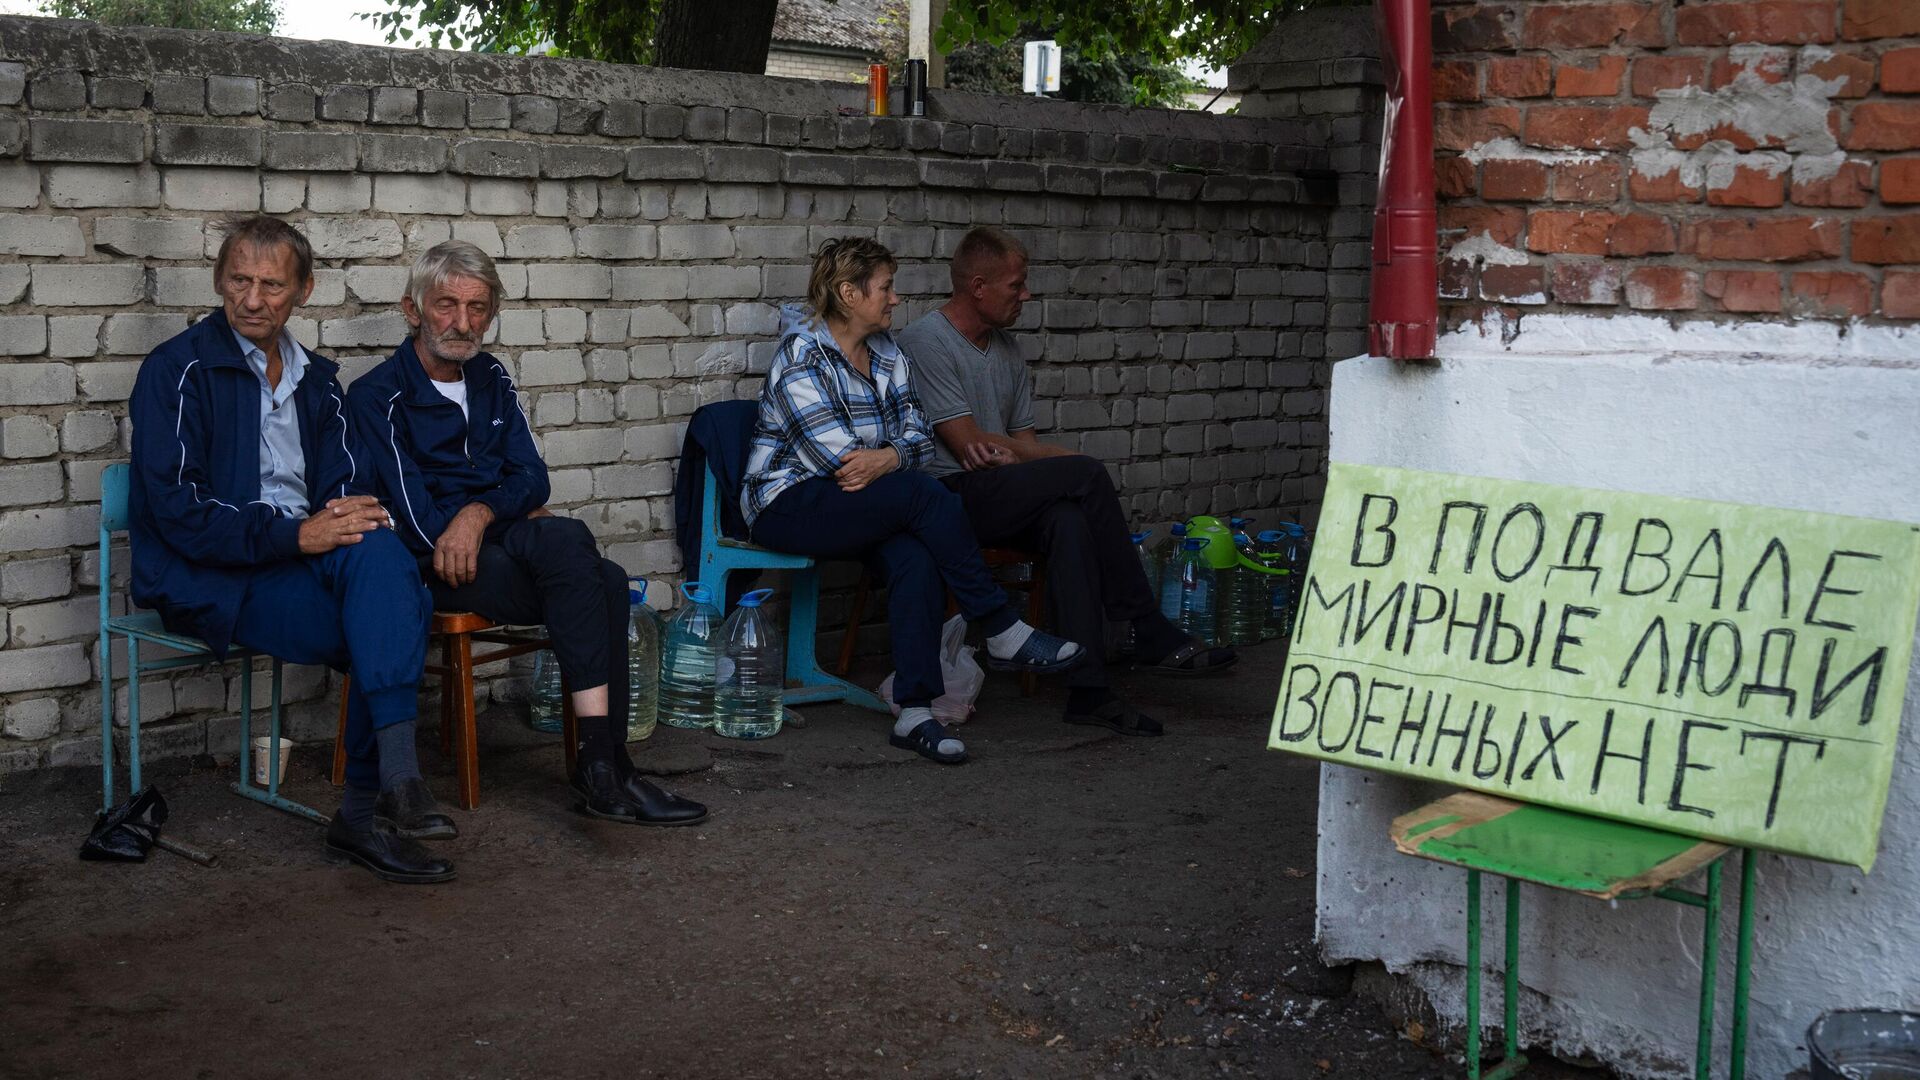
(126, 832)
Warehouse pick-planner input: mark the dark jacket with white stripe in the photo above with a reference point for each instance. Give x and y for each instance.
(197, 524)
(431, 461)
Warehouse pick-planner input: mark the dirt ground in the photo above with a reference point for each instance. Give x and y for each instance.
(1068, 904)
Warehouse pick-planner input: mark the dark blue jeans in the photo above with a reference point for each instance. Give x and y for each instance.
(359, 608)
(914, 535)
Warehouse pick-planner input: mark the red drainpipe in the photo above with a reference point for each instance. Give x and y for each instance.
(1405, 309)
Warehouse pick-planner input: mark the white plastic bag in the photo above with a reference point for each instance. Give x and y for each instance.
(960, 672)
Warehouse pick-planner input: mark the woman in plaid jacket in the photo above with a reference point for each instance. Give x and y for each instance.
(835, 473)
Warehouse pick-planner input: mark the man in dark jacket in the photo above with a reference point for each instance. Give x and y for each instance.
(457, 462)
(253, 523)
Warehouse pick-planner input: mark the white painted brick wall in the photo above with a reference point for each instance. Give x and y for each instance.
(1178, 337)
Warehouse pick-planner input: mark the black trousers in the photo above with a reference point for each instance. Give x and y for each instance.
(913, 535)
(548, 571)
(1067, 509)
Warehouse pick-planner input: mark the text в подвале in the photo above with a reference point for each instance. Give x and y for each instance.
(1719, 670)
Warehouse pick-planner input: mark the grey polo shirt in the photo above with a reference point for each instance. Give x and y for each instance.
(954, 377)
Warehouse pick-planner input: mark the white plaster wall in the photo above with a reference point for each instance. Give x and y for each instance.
(1803, 417)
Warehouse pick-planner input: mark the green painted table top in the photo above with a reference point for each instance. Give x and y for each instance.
(1550, 847)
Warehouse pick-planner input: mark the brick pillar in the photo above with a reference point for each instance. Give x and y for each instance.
(1322, 68)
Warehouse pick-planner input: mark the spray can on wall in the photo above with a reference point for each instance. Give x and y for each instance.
(877, 90)
(916, 88)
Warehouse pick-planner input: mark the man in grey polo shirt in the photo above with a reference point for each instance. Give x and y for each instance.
(1021, 492)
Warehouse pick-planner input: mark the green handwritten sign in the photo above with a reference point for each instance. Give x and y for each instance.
(1724, 671)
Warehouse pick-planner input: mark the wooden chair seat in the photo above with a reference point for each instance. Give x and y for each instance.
(457, 631)
(995, 558)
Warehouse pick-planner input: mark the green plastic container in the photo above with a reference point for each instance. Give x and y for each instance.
(1220, 551)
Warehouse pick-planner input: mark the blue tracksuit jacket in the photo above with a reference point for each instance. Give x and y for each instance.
(197, 523)
(431, 461)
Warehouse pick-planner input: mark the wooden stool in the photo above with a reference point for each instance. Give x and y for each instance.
(457, 631)
(994, 557)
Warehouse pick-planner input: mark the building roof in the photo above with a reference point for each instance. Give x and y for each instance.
(873, 27)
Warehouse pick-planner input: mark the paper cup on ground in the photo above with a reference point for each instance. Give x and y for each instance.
(263, 746)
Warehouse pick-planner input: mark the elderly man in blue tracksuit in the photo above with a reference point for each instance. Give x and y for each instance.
(253, 523)
(457, 462)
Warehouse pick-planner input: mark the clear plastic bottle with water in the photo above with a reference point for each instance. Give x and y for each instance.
(544, 706)
(643, 664)
(1298, 552)
(1194, 581)
(750, 675)
(687, 661)
(1243, 595)
(1270, 553)
(1166, 555)
(1148, 564)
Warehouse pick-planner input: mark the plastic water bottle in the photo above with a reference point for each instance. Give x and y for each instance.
(643, 664)
(1279, 582)
(1243, 609)
(750, 674)
(1298, 552)
(1167, 555)
(1148, 565)
(543, 708)
(1195, 582)
(687, 661)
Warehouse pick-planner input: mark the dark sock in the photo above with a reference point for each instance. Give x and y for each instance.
(600, 742)
(398, 761)
(1154, 637)
(1082, 700)
(356, 807)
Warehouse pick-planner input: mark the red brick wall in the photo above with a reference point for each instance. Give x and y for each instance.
(1750, 157)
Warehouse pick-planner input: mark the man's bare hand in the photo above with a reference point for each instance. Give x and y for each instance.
(863, 467)
(456, 556)
(341, 522)
(985, 455)
(539, 511)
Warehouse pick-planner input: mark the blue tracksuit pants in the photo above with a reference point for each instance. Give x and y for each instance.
(914, 535)
(359, 608)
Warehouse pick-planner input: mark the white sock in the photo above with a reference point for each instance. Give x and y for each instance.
(912, 717)
(1003, 645)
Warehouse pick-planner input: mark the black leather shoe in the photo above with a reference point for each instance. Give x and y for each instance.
(635, 802)
(391, 858)
(409, 810)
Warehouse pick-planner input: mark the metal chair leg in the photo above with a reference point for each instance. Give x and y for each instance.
(106, 719)
(133, 715)
(1709, 970)
(1473, 975)
(1742, 969)
(273, 735)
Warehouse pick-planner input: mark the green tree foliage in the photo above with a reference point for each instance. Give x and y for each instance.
(1138, 34)
(244, 16)
(730, 36)
(620, 31)
(982, 67)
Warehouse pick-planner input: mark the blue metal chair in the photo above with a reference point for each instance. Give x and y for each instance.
(145, 626)
(721, 555)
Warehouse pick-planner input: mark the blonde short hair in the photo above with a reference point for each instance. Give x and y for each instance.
(852, 259)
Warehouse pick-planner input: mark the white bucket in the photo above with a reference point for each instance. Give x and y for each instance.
(262, 747)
